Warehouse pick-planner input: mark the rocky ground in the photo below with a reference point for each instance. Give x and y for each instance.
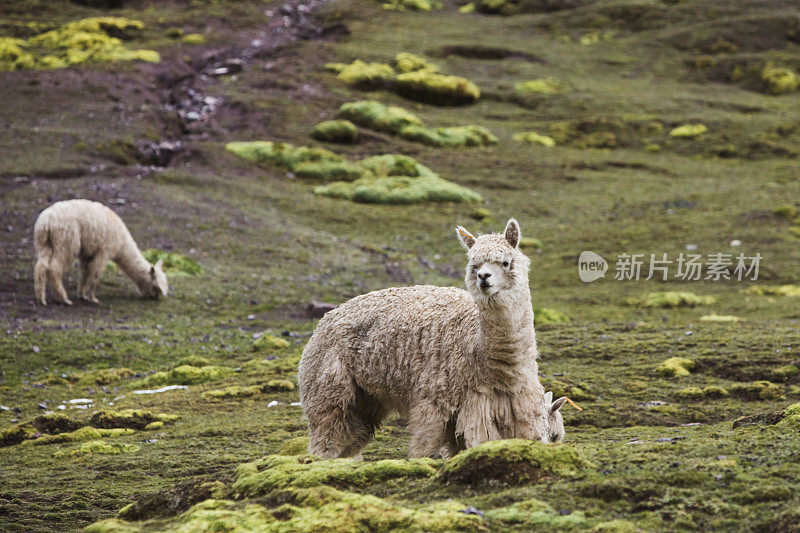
(658, 128)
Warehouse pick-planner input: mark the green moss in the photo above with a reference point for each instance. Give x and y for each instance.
(784, 373)
(449, 137)
(719, 318)
(278, 471)
(174, 263)
(193, 360)
(152, 426)
(376, 116)
(270, 342)
(779, 80)
(188, 375)
(311, 162)
(278, 385)
(175, 33)
(234, 391)
(112, 375)
(98, 447)
(540, 86)
(193, 38)
(295, 446)
(338, 131)
(675, 367)
(405, 62)
(688, 131)
(16, 434)
(513, 461)
(79, 435)
(792, 291)
(436, 89)
(786, 211)
(363, 75)
(529, 244)
(92, 39)
(467, 8)
(481, 213)
(412, 5)
(384, 186)
(715, 392)
(616, 526)
(129, 418)
(757, 390)
(111, 525)
(532, 137)
(533, 512)
(562, 388)
(329, 171)
(543, 315)
(670, 299)
(690, 393)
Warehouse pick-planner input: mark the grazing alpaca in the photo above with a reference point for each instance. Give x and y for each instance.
(461, 366)
(96, 235)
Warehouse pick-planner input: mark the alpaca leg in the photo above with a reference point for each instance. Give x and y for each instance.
(84, 276)
(56, 272)
(428, 428)
(40, 280)
(96, 266)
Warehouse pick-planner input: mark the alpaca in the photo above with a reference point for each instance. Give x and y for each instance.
(95, 234)
(556, 424)
(460, 366)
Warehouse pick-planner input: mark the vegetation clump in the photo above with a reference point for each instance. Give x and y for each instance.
(541, 86)
(55, 423)
(562, 388)
(234, 391)
(98, 447)
(376, 116)
(779, 80)
(437, 89)
(363, 75)
(675, 367)
(94, 39)
(688, 131)
(533, 137)
(671, 299)
(193, 38)
(16, 434)
(533, 512)
(129, 418)
(79, 435)
(757, 390)
(336, 131)
(193, 360)
(450, 137)
(696, 393)
(512, 461)
(544, 315)
(188, 375)
(773, 290)
(174, 263)
(406, 62)
(295, 446)
(412, 5)
(107, 376)
(270, 342)
(278, 472)
(278, 385)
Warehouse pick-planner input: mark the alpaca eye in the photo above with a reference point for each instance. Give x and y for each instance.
(474, 267)
(505, 264)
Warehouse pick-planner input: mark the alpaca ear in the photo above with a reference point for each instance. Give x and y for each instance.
(512, 233)
(156, 268)
(548, 397)
(466, 238)
(558, 404)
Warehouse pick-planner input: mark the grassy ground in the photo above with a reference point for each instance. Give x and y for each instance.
(659, 457)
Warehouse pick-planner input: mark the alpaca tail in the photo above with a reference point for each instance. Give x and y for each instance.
(44, 252)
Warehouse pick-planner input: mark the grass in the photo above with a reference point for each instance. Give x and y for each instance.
(659, 448)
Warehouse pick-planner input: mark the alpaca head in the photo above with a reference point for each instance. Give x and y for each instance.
(555, 432)
(496, 264)
(155, 285)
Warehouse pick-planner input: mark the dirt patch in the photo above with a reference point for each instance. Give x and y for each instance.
(484, 52)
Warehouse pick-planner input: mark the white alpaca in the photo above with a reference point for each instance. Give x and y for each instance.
(461, 366)
(95, 234)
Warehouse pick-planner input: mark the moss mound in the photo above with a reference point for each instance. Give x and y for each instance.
(792, 291)
(451, 137)
(193, 38)
(363, 75)
(696, 393)
(174, 263)
(129, 418)
(16, 434)
(675, 367)
(80, 435)
(316, 164)
(779, 80)
(376, 116)
(757, 390)
(278, 385)
(437, 89)
(56, 423)
(193, 360)
(94, 39)
(532, 137)
(295, 446)
(279, 471)
(406, 62)
(561, 388)
(384, 185)
(98, 447)
(412, 5)
(533, 512)
(671, 299)
(188, 375)
(270, 342)
(540, 86)
(719, 318)
(234, 391)
(688, 131)
(512, 461)
(544, 315)
(336, 131)
(112, 375)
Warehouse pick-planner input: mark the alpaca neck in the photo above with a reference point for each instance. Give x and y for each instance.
(507, 326)
(131, 261)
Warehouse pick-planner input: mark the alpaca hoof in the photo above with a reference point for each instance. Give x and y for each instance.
(66, 302)
(43, 302)
(93, 299)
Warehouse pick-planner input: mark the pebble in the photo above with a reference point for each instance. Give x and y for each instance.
(472, 510)
(61, 407)
(4, 408)
(162, 389)
(295, 404)
(273, 403)
(81, 401)
(43, 405)
(36, 349)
